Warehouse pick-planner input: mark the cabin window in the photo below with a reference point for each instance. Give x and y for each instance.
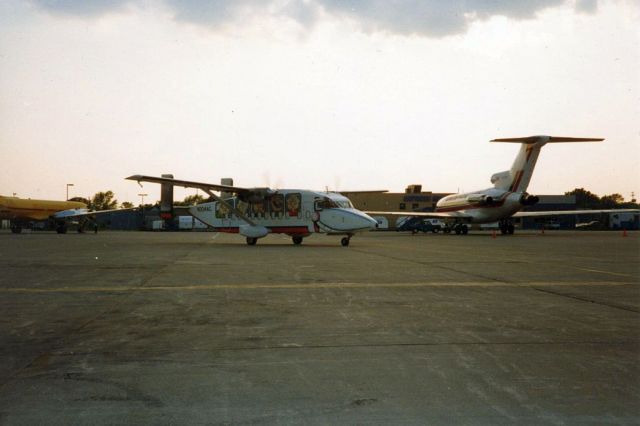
(277, 205)
(222, 211)
(258, 209)
(293, 203)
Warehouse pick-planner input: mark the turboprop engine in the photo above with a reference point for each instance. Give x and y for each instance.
(528, 200)
(256, 194)
(480, 198)
(253, 231)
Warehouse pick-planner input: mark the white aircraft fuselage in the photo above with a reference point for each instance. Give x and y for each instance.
(485, 206)
(292, 212)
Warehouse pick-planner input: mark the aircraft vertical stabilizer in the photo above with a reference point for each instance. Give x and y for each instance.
(518, 177)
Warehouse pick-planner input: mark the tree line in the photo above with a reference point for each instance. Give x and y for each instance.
(584, 200)
(588, 200)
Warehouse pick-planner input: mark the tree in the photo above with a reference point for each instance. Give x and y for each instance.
(585, 199)
(611, 201)
(80, 199)
(191, 200)
(103, 201)
(126, 205)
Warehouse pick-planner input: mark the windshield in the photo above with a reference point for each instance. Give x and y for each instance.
(345, 204)
(328, 203)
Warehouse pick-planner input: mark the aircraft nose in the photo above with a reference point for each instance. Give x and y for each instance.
(371, 222)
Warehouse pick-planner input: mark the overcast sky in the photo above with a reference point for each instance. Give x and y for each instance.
(350, 95)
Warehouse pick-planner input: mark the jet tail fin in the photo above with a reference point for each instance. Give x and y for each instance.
(518, 177)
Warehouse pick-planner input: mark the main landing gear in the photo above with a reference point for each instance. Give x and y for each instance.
(297, 240)
(506, 227)
(458, 228)
(345, 241)
(252, 241)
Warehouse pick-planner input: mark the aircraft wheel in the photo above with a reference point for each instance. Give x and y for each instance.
(510, 229)
(414, 231)
(464, 229)
(252, 241)
(435, 230)
(297, 240)
(345, 242)
(458, 230)
(447, 230)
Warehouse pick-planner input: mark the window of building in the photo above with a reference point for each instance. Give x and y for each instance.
(403, 206)
(414, 206)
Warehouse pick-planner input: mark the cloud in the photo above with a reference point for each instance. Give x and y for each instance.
(81, 8)
(431, 18)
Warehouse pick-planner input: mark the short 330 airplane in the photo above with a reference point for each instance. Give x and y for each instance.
(22, 212)
(507, 197)
(257, 212)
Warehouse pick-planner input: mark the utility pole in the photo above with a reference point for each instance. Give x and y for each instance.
(68, 185)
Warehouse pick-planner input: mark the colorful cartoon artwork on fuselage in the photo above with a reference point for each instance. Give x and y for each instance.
(277, 205)
(293, 204)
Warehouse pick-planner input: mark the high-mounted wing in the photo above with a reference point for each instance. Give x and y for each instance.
(190, 184)
(573, 212)
(245, 194)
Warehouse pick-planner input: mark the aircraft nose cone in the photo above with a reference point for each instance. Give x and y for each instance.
(373, 224)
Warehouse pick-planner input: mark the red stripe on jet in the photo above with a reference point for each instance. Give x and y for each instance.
(469, 207)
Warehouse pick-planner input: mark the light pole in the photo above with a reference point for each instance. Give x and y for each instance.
(142, 207)
(68, 185)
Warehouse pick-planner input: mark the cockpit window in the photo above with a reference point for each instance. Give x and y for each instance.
(328, 203)
(345, 204)
(325, 203)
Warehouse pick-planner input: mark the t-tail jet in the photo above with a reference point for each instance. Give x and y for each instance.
(506, 198)
(257, 212)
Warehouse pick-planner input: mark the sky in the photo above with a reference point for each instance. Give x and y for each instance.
(315, 94)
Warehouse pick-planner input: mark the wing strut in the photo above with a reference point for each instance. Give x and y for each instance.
(229, 206)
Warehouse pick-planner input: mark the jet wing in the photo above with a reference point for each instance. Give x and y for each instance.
(75, 213)
(434, 215)
(573, 212)
(190, 184)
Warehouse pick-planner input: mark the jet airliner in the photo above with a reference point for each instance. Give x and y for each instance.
(506, 198)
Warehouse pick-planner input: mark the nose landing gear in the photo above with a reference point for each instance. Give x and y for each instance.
(252, 241)
(345, 241)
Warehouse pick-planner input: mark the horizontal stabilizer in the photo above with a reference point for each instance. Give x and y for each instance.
(546, 139)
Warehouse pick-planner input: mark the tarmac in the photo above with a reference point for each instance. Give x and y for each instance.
(199, 328)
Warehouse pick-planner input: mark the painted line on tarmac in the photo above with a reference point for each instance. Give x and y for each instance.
(602, 272)
(304, 286)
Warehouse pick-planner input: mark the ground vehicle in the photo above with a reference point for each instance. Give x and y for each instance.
(419, 224)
